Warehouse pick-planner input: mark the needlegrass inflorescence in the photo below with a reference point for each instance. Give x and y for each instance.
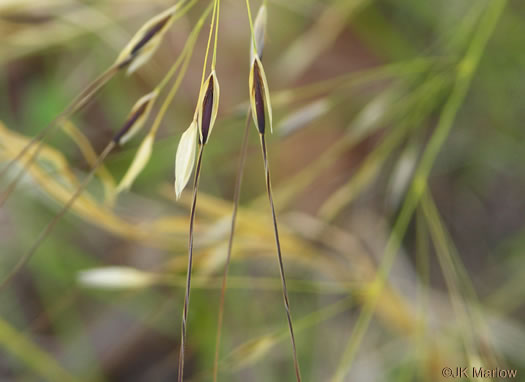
(354, 137)
(136, 53)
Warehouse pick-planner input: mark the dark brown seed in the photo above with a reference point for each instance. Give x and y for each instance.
(130, 122)
(259, 100)
(150, 34)
(207, 107)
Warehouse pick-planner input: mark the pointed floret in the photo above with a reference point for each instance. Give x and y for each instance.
(260, 97)
(136, 118)
(185, 158)
(146, 41)
(208, 107)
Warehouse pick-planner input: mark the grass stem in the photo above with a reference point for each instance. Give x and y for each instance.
(190, 263)
(280, 257)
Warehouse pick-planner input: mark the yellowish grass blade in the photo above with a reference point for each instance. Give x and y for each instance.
(60, 186)
(140, 161)
(463, 296)
(33, 357)
(465, 74)
(51, 225)
(90, 156)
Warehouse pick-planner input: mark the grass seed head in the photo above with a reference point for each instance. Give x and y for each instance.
(208, 107)
(260, 96)
(185, 158)
(146, 41)
(136, 118)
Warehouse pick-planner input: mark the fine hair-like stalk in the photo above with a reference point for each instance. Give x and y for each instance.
(279, 256)
(190, 263)
(261, 110)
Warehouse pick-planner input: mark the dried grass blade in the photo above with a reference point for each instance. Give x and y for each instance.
(51, 225)
(89, 154)
(134, 122)
(139, 163)
(80, 101)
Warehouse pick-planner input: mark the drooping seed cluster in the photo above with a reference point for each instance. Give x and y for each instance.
(134, 55)
(208, 106)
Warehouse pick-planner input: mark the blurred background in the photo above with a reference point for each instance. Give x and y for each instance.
(398, 172)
